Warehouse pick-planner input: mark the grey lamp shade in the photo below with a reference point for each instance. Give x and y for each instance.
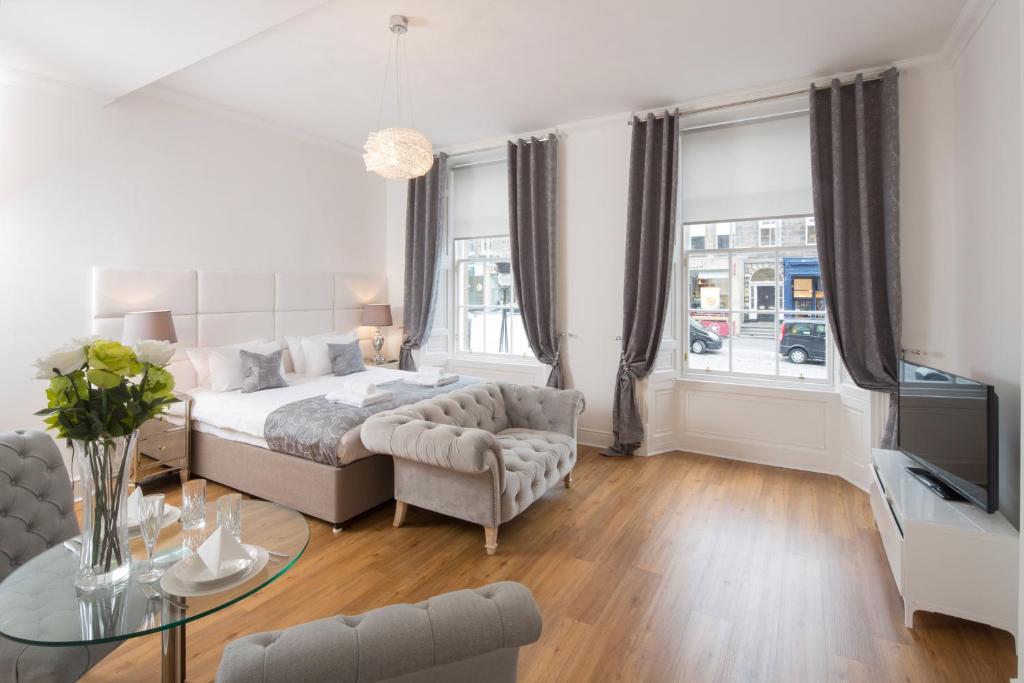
(377, 315)
(148, 325)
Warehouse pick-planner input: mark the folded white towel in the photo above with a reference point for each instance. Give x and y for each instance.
(427, 381)
(358, 401)
(357, 387)
(432, 371)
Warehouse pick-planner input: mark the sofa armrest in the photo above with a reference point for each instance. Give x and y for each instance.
(391, 641)
(463, 449)
(543, 408)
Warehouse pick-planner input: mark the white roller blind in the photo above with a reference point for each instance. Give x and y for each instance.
(754, 169)
(480, 200)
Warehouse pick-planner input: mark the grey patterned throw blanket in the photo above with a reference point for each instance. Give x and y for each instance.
(312, 428)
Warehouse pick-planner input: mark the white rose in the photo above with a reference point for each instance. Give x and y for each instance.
(156, 353)
(65, 359)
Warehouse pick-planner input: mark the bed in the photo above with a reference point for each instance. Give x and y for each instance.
(230, 439)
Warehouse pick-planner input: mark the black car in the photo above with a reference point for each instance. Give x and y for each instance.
(802, 340)
(702, 340)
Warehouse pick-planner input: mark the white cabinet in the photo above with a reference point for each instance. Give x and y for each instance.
(945, 556)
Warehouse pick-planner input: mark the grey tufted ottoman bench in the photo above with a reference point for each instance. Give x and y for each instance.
(468, 635)
(483, 454)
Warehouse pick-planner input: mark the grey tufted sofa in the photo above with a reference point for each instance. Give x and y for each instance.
(37, 512)
(465, 636)
(483, 454)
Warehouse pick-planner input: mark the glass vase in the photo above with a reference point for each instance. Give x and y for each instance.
(104, 467)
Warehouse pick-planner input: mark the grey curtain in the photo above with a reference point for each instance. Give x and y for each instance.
(532, 173)
(855, 164)
(650, 229)
(424, 242)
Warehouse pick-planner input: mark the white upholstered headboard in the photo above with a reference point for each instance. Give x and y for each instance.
(213, 308)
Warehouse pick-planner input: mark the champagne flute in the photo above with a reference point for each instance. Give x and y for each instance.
(151, 517)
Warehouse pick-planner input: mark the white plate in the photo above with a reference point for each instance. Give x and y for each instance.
(192, 570)
(171, 515)
(172, 584)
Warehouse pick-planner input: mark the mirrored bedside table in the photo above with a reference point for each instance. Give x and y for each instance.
(389, 364)
(165, 444)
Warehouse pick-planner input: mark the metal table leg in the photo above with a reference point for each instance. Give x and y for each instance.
(172, 655)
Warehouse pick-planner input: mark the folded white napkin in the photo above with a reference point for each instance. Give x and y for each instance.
(219, 548)
(357, 387)
(132, 506)
(358, 401)
(431, 371)
(427, 381)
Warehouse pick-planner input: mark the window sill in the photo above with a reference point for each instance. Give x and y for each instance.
(753, 383)
(495, 359)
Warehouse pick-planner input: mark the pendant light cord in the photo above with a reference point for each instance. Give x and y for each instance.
(399, 56)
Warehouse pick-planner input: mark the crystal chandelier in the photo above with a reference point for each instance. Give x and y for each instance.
(397, 152)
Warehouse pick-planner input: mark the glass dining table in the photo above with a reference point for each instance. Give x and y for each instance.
(39, 604)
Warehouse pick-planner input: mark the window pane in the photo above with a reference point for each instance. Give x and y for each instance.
(758, 289)
(708, 351)
(801, 283)
(471, 329)
(803, 345)
(483, 248)
(709, 282)
(499, 274)
(793, 232)
(753, 343)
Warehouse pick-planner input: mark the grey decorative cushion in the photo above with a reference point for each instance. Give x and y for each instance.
(261, 371)
(346, 358)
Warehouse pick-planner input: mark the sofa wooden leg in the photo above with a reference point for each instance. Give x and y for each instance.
(491, 539)
(568, 480)
(401, 507)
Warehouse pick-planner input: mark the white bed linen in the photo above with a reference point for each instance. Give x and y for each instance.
(240, 417)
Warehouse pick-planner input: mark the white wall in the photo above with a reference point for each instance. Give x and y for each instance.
(145, 182)
(961, 221)
(987, 233)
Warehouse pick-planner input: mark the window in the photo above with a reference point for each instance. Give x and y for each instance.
(750, 282)
(487, 313)
(486, 316)
(754, 311)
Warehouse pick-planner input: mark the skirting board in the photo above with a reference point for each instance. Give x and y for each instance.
(598, 438)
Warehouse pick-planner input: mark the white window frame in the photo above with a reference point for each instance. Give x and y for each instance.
(732, 376)
(808, 222)
(458, 309)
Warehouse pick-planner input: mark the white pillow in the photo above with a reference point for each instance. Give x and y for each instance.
(315, 356)
(226, 364)
(298, 355)
(201, 361)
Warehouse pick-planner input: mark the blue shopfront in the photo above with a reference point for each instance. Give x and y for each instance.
(801, 284)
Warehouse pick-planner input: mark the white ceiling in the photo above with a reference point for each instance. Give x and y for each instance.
(479, 68)
(117, 46)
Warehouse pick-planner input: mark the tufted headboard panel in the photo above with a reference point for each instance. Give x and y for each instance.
(213, 308)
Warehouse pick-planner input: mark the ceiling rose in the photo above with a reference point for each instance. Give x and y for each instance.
(396, 152)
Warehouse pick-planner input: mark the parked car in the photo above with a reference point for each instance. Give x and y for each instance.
(703, 340)
(716, 322)
(802, 340)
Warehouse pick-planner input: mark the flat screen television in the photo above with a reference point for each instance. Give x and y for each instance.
(947, 424)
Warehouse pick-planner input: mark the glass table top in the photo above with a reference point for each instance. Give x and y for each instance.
(39, 604)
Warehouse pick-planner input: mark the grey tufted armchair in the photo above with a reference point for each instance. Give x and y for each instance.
(483, 454)
(461, 637)
(36, 512)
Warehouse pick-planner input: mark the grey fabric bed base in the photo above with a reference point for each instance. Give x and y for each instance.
(333, 494)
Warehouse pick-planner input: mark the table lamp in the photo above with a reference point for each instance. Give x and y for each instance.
(377, 315)
(148, 325)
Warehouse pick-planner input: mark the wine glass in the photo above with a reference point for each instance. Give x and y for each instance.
(151, 517)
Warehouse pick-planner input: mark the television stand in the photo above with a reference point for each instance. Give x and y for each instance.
(946, 556)
(936, 485)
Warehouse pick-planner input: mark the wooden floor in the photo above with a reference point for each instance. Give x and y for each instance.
(674, 568)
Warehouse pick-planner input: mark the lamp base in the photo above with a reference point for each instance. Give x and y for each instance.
(378, 344)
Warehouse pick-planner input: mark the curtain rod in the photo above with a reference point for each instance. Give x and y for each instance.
(504, 145)
(765, 98)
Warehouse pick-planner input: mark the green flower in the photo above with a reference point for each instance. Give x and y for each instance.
(159, 384)
(113, 357)
(104, 379)
(66, 390)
